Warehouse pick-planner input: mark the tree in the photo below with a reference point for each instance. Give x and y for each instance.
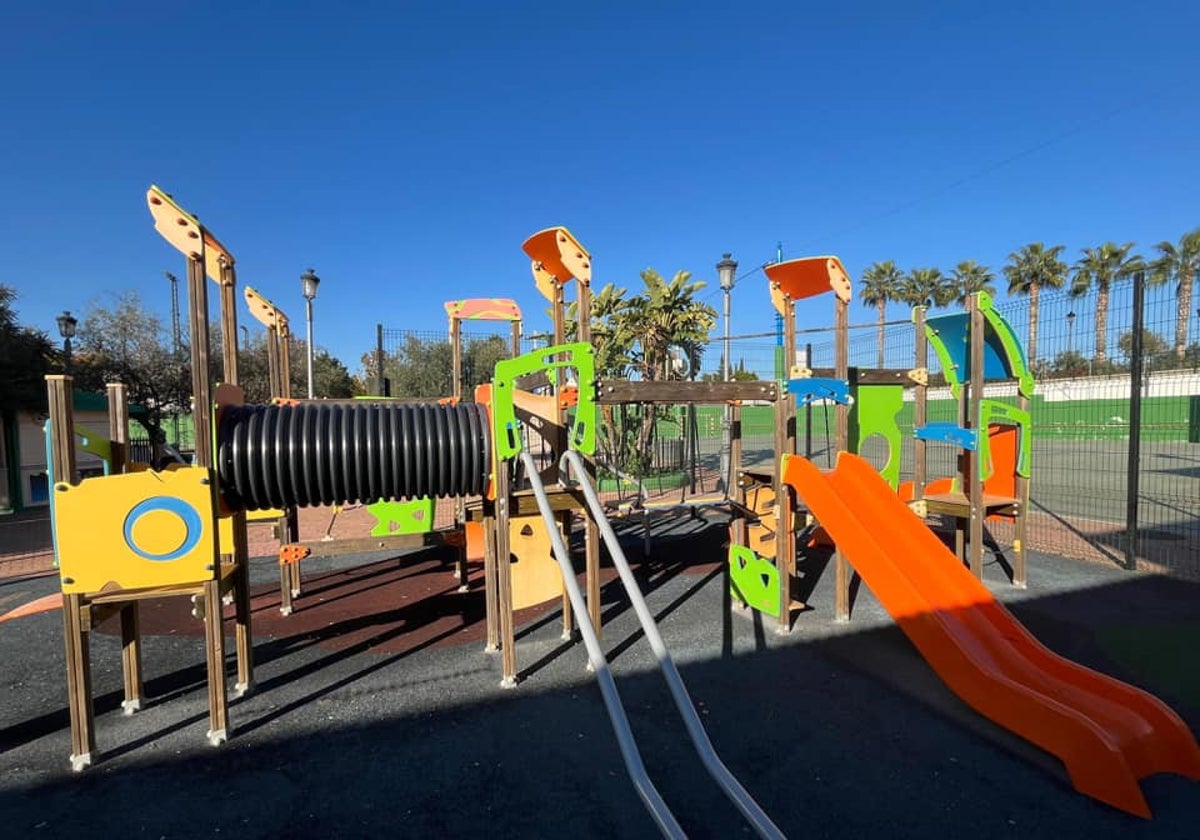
(665, 316)
(926, 287)
(127, 343)
(1029, 270)
(970, 277)
(26, 356)
(1182, 264)
(881, 282)
(1099, 269)
(1155, 352)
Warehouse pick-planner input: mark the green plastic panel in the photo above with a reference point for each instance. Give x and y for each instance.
(991, 411)
(754, 580)
(411, 517)
(1014, 352)
(875, 409)
(507, 428)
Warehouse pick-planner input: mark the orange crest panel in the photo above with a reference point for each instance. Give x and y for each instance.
(808, 277)
(560, 254)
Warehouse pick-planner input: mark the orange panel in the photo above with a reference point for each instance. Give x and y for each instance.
(810, 276)
(483, 309)
(1108, 734)
(560, 254)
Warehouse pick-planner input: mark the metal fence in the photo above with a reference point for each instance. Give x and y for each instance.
(1116, 449)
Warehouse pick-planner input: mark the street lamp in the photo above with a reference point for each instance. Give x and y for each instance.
(726, 269)
(309, 282)
(66, 328)
(1071, 330)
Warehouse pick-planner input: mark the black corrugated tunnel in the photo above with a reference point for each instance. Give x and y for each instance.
(309, 454)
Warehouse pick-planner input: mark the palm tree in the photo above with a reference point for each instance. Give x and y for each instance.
(1182, 264)
(926, 287)
(970, 277)
(1099, 268)
(881, 283)
(1029, 270)
(668, 315)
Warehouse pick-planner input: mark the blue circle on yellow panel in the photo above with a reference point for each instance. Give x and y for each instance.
(160, 540)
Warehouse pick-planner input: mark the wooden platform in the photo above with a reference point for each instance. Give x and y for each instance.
(958, 505)
(525, 504)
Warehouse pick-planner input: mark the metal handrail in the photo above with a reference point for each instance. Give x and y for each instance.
(652, 799)
(733, 789)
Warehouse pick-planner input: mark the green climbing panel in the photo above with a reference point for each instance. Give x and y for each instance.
(875, 410)
(412, 517)
(754, 580)
(577, 357)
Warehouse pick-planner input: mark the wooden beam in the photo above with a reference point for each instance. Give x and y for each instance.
(617, 391)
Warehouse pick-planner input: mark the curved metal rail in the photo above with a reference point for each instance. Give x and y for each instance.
(732, 788)
(652, 799)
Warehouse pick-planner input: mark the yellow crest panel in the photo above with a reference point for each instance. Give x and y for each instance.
(136, 530)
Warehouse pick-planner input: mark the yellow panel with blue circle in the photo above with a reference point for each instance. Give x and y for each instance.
(137, 530)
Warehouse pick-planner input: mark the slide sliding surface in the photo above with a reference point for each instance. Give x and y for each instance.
(1108, 734)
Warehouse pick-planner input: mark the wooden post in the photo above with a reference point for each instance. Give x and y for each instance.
(736, 491)
(920, 403)
(559, 444)
(975, 398)
(784, 556)
(239, 552)
(1019, 525)
(131, 639)
(456, 389)
(284, 334)
(591, 531)
(273, 360)
(78, 657)
(229, 330)
(202, 418)
(508, 652)
(491, 593)
(841, 367)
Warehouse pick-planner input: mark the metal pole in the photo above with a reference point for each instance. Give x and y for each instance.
(308, 309)
(67, 356)
(380, 384)
(1135, 421)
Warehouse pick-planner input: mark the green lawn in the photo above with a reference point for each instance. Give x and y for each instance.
(1163, 419)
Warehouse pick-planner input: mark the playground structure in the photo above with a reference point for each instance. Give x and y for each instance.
(994, 438)
(182, 532)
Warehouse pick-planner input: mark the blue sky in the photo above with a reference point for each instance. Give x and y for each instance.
(405, 150)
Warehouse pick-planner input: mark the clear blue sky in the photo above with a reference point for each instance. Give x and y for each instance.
(405, 150)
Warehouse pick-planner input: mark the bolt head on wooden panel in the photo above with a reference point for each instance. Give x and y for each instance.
(175, 224)
(137, 530)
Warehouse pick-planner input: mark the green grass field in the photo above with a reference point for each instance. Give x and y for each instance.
(1164, 419)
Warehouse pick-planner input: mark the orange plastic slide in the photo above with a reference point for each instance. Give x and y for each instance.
(1108, 734)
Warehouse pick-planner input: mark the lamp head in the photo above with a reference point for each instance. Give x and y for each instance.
(66, 324)
(309, 282)
(726, 269)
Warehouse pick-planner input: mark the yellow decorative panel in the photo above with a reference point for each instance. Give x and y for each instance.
(136, 530)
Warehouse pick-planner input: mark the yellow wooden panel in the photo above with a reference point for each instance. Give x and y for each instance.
(136, 530)
(535, 574)
(175, 224)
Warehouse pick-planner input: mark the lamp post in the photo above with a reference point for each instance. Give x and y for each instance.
(1071, 331)
(66, 328)
(309, 282)
(726, 270)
